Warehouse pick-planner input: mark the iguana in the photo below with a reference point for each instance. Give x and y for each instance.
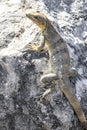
(59, 60)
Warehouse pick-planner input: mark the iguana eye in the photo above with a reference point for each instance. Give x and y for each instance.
(39, 19)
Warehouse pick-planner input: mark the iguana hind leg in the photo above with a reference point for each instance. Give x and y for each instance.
(49, 78)
(53, 77)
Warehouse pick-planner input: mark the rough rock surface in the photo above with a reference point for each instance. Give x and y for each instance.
(20, 72)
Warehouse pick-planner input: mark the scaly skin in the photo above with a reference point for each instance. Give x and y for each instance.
(59, 59)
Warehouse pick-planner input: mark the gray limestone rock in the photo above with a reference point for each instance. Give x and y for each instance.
(21, 107)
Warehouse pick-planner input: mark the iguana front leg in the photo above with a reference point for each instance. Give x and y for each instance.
(32, 46)
(42, 43)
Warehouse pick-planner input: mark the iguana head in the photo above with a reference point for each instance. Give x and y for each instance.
(38, 18)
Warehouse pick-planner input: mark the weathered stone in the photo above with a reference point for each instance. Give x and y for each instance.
(21, 107)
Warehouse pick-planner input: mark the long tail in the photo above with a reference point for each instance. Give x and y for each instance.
(74, 103)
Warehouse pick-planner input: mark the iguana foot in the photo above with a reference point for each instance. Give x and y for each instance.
(44, 94)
